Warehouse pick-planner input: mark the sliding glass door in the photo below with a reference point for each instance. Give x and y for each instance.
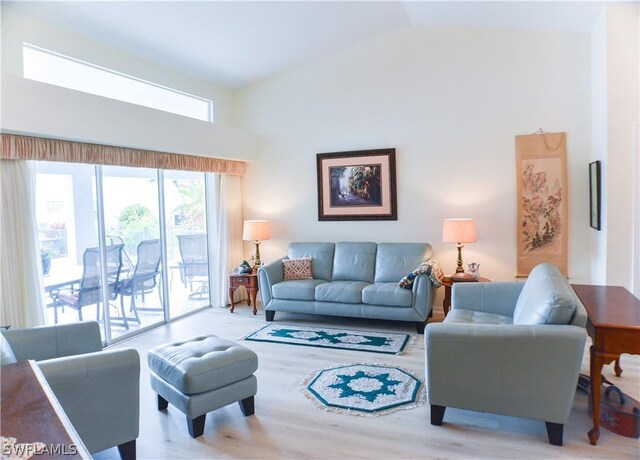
(131, 219)
(68, 239)
(154, 250)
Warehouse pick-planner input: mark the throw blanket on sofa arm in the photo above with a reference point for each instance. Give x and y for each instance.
(430, 268)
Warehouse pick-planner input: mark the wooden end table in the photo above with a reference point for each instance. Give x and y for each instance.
(447, 282)
(250, 283)
(614, 327)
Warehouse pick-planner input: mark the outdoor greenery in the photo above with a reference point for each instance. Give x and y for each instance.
(136, 223)
(190, 213)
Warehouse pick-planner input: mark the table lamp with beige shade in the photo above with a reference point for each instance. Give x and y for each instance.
(459, 231)
(256, 231)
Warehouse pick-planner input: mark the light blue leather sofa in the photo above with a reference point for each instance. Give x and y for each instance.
(509, 348)
(98, 390)
(352, 279)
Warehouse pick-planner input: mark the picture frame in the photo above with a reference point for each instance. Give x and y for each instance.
(594, 194)
(357, 185)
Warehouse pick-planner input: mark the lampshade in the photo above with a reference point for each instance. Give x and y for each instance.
(459, 231)
(256, 230)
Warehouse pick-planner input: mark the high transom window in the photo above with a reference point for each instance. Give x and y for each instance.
(53, 68)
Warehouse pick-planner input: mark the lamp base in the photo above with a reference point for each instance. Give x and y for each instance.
(463, 277)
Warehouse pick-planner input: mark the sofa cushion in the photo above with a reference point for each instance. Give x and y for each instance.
(297, 269)
(395, 260)
(546, 298)
(321, 255)
(387, 294)
(354, 262)
(296, 289)
(341, 291)
(476, 317)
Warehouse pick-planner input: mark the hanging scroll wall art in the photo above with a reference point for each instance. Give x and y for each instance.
(541, 165)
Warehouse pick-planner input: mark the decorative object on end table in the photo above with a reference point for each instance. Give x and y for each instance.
(594, 194)
(474, 269)
(244, 267)
(459, 231)
(256, 231)
(364, 389)
(358, 185)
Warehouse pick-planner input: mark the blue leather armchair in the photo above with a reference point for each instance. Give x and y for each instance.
(509, 348)
(98, 390)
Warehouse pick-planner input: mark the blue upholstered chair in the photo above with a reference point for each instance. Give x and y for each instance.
(509, 348)
(98, 390)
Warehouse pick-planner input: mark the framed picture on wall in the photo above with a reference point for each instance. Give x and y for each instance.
(594, 194)
(358, 185)
(541, 178)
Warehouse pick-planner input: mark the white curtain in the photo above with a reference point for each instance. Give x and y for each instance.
(224, 208)
(21, 282)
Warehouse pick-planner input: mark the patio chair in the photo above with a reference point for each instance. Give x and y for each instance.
(143, 280)
(89, 291)
(194, 267)
(127, 264)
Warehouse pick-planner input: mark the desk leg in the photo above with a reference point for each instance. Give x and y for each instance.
(616, 367)
(596, 377)
(231, 291)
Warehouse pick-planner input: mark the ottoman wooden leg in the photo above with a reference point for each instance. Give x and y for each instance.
(247, 406)
(162, 403)
(196, 425)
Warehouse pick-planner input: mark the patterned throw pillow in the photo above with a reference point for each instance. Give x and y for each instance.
(297, 269)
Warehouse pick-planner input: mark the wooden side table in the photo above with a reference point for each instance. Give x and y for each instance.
(614, 327)
(447, 282)
(250, 282)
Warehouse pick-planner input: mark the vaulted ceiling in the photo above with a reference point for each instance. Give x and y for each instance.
(238, 43)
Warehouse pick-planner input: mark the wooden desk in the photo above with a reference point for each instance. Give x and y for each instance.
(447, 282)
(614, 328)
(31, 413)
(250, 282)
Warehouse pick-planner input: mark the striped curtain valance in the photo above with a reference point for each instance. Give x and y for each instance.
(16, 147)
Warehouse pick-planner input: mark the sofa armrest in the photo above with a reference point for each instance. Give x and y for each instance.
(268, 275)
(100, 393)
(526, 371)
(49, 342)
(423, 295)
(499, 298)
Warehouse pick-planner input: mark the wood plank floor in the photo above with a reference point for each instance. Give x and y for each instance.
(287, 425)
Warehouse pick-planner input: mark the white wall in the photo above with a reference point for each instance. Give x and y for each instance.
(450, 101)
(34, 108)
(623, 114)
(599, 143)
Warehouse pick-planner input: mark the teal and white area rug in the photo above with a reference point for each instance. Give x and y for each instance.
(378, 342)
(364, 389)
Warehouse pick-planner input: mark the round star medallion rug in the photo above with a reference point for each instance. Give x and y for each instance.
(364, 389)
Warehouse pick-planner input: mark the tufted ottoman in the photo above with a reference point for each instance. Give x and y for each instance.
(202, 374)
